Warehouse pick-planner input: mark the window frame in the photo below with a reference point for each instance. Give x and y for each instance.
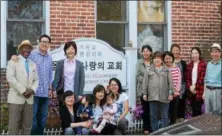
(4, 20)
(164, 23)
(126, 23)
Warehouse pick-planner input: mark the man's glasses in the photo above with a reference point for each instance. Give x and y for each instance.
(45, 42)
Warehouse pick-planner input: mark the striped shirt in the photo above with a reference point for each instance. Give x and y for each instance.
(44, 70)
(176, 76)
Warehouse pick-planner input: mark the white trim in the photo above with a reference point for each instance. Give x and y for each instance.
(131, 54)
(47, 17)
(3, 33)
(169, 23)
(133, 22)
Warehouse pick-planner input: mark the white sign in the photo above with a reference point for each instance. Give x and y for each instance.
(101, 62)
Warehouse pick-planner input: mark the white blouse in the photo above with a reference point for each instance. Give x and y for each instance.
(194, 73)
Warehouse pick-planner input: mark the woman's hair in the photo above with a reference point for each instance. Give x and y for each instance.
(198, 50)
(168, 53)
(120, 90)
(69, 44)
(147, 47)
(175, 45)
(99, 88)
(157, 54)
(67, 94)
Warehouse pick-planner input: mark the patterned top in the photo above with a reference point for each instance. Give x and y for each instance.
(44, 70)
(176, 76)
(201, 70)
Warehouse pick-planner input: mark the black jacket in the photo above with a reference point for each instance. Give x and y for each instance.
(65, 116)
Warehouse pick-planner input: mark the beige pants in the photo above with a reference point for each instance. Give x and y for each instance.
(20, 117)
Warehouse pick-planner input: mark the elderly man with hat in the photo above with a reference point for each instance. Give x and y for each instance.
(23, 81)
(212, 92)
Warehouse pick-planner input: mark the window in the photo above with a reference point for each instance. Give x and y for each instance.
(24, 21)
(151, 24)
(112, 23)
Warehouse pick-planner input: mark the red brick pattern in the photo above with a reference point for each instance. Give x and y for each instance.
(71, 19)
(196, 23)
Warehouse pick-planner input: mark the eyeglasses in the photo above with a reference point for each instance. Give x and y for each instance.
(113, 85)
(45, 42)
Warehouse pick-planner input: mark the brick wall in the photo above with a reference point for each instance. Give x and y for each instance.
(196, 23)
(71, 19)
(193, 24)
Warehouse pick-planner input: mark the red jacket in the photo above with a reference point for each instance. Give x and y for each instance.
(201, 70)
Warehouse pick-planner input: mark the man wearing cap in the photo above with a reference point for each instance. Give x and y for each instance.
(212, 92)
(23, 81)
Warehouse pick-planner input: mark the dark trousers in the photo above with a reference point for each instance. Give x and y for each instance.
(181, 106)
(146, 115)
(40, 113)
(173, 110)
(196, 107)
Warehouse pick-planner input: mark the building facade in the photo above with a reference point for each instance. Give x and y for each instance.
(157, 23)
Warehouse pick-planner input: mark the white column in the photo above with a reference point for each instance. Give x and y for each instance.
(131, 53)
(3, 33)
(47, 17)
(169, 23)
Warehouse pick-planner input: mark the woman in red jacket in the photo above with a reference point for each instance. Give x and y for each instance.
(195, 80)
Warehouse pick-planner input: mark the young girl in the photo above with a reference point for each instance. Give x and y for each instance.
(108, 123)
(85, 113)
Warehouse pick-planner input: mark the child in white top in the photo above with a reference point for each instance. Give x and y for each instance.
(109, 111)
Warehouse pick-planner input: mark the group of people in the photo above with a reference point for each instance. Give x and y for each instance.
(165, 82)
(30, 77)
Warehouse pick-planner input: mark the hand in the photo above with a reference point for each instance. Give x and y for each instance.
(144, 97)
(86, 124)
(54, 94)
(14, 58)
(203, 97)
(170, 97)
(107, 89)
(28, 93)
(176, 93)
(50, 94)
(25, 95)
(80, 97)
(176, 90)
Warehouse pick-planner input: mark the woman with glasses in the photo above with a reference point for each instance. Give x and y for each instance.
(122, 101)
(68, 114)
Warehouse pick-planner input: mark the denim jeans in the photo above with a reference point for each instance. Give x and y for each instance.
(154, 107)
(82, 130)
(69, 131)
(40, 112)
